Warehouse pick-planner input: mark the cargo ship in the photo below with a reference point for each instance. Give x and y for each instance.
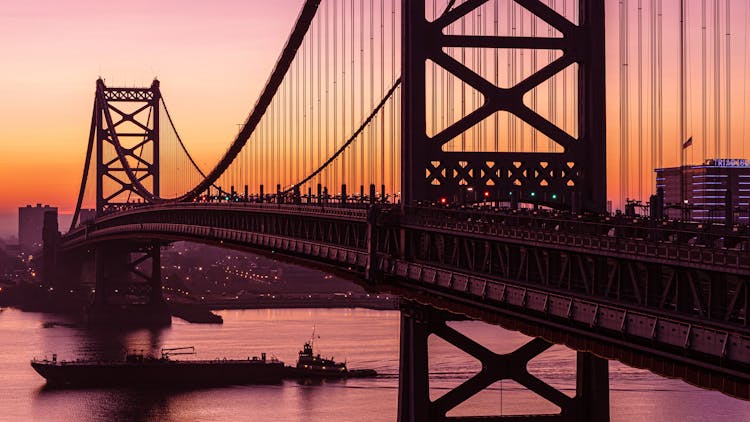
(137, 369)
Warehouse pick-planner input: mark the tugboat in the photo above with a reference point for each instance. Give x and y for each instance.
(310, 365)
(142, 370)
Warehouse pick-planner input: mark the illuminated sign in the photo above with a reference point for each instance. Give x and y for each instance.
(728, 162)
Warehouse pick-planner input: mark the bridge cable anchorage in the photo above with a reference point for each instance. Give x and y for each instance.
(283, 64)
(349, 141)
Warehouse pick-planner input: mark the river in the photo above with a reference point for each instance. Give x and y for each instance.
(364, 338)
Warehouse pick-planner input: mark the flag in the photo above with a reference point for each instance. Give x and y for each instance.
(687, 143)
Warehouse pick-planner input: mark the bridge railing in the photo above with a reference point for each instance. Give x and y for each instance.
(668, 241)
(332, 210)
(692, 233)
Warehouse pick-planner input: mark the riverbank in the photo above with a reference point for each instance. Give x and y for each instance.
(197, 309)
(299, 300)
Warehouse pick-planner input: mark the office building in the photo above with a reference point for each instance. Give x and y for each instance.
(705, 192)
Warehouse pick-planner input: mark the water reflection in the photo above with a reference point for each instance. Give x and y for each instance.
(109, 404)
(115, 343)
(636, 394)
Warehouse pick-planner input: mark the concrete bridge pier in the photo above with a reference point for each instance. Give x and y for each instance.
(418, 322)
(128, 286)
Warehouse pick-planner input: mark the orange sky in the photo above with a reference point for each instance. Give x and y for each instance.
(212, 59)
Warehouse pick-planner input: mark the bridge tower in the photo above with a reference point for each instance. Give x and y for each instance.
(575, 176)
(126, 125)
(125, 136)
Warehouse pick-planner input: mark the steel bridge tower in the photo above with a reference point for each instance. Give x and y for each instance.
(577, 174)
(125, 136)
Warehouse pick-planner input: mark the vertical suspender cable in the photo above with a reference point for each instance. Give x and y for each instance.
(639, 171)
(728, 81)
(362, 87)
(704, 90)
(521, 53)
(551, 87)
(681, 147)
(744, 79)
(326, 116)
(717, 81)
(496, 51)
(513, 70)
(509, 74)
(344, 178)
(564, 126)
(373, 127)
(335, 116)
(319, 104)
(282, 133)
(394, 185)
(463, 88)
(660, 79)
(624, 103)
(652, 86)
(353, 167)
(304, 86)
(381, 156)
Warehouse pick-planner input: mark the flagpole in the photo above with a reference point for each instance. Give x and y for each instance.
(683, 143)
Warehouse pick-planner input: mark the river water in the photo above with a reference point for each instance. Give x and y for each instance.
(364, 338)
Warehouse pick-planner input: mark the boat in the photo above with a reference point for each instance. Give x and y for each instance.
(311, 365)
(137, 369)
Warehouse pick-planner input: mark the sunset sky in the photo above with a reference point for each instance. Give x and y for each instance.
(212, 59)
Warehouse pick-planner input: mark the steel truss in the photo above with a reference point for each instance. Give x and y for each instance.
(429, 173)
(671, 290)
(418, 322)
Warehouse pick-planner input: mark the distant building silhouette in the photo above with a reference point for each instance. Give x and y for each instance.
(30, 222)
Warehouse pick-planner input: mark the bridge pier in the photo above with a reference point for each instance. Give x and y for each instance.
(128, 286)
(418, 322)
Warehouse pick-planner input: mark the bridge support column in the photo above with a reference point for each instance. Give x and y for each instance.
(592, 388)
(413, 381)
(418, 322)
(128, 286)
(371, 271)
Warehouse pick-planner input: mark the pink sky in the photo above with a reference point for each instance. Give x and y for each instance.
(212, 58)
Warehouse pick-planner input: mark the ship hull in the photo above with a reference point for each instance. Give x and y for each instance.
(302, 373)
(161, 373)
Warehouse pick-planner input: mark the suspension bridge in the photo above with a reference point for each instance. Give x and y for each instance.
(453, 153)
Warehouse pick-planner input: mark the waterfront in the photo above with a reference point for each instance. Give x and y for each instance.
(365, 338)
